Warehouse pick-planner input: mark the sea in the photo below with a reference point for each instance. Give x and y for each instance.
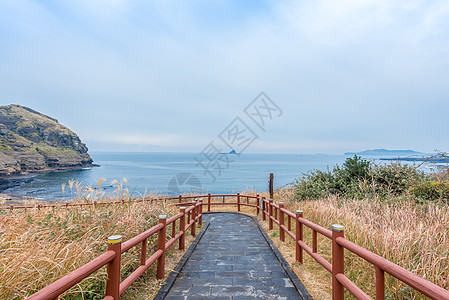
(171, 174)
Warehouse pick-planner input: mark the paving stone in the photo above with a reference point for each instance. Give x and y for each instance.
(232, 261)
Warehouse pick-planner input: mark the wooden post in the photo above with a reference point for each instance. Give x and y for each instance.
(299, 236)
(192, 228)
(238, 201)
(173, 228)
(380, 284)
(281, 222)
(270, 214)
(113, 268)
(263, 209)
(180, 198)
(270, 187)
(258, 203)
(337, 262)
(143, 252)
(182, 228)
(314, 241)
(208, 202)
(161, 246)
(200, 213)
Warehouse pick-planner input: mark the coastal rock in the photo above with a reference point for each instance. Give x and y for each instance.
(31, 141)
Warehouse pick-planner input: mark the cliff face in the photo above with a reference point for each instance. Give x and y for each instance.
(31, 141)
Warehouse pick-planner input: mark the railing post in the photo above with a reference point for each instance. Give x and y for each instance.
(143, 252)
(270, 214)
(200, 213)
(380, 284)
(182, 228)
(299, 236)
(258, 204)
(337, 262)
(180, 198)
(238, 201)
(263, 209)
(161, 246)
(173, 228)
(113, 268)
(192, 228)
(208, 202)
(281, 222)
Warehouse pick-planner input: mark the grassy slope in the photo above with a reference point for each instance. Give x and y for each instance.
(39, 247)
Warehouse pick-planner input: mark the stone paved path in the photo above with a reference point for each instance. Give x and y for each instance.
(232, 261)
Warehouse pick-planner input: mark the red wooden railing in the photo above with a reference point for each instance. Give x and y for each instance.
(276, 214)
(114, 288)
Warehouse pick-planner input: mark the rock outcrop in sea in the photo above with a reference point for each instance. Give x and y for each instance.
(33, 142)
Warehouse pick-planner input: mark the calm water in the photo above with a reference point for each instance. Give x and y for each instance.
(172, 173)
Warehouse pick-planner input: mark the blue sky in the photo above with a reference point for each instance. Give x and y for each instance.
(134, 75)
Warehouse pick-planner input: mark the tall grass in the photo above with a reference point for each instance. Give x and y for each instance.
(37, 247)
(412, 235)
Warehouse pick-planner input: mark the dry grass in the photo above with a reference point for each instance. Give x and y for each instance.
(414, 236)
(37, 247)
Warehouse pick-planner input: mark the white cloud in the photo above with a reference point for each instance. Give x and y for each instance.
(340, 69)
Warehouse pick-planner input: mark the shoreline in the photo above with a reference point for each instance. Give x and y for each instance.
(12, 181)
(32, 174)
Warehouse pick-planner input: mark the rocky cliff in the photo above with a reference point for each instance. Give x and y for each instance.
(31, 142)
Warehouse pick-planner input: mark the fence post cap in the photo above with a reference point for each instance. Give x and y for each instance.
(270, 200)
(182, 207)
(194, 202)
(201, 199)
(162, 217)
(338, 227)
(281, 203)
(298, 211)
(114, 239)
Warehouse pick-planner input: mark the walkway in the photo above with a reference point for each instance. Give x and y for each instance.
(233, 260)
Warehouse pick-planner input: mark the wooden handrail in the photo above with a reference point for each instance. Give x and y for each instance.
(276, 214)
(111, 258)
(337, 268)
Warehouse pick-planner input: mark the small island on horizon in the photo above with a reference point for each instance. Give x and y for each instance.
(230, 152)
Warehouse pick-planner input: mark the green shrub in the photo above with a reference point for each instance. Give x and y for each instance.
(395, 179)
(341, 181)
(432, 191)
(358, 178)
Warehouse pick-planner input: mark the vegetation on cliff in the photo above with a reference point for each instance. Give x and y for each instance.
(31, 141)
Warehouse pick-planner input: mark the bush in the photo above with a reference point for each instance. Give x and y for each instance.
(358, 178)
(341, 181)
(432, 191)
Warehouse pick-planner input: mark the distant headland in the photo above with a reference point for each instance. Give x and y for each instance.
(33, 142)
(385, 152)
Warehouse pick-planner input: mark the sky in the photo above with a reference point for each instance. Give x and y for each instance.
(165, 75)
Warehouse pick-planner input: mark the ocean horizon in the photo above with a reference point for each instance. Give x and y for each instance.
(173, 173)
